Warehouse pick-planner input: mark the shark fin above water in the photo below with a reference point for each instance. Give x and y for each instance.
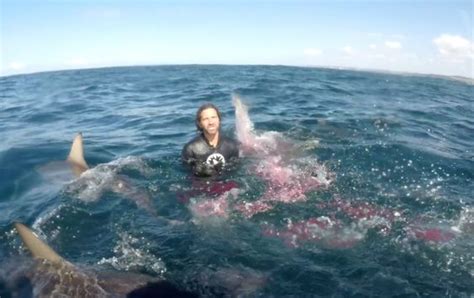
(36, 246)
(54, 276)
(76, 165)
(76, 156)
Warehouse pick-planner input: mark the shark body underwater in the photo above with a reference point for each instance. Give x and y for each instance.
(50, 275)
(75, 166)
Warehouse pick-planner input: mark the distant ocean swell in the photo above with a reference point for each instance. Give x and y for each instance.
(396, 219)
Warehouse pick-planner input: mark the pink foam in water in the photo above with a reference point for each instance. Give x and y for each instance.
(249, 209)
(285, 181)
(209, 188)
(365, 212)
(271, 170)
(217, 207)
(361, 210)
(289, 182)
(436, 235)
(321, 230)
(213, 188)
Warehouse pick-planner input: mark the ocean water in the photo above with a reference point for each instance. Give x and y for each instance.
(396, 219)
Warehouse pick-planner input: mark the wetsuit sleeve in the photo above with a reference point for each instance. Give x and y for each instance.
(187, 155)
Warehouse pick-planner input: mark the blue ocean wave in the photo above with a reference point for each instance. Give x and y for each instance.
(398, 216)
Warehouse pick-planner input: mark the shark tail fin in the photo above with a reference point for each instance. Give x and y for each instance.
(36, 246)
(76, 155)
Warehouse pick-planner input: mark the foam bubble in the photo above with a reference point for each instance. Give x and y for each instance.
(131, 254)
(94, 182)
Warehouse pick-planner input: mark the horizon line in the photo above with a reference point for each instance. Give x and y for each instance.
(465, 79)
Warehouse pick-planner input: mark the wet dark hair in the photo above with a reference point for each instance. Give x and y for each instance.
(205, 107)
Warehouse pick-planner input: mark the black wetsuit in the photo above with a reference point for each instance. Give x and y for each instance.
(206, 160)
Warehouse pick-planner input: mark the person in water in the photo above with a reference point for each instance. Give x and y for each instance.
(209, 152)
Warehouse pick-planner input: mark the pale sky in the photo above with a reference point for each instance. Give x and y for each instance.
(431, 36)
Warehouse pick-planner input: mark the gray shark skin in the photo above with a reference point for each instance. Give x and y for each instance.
(75, 165)
(51, 275)
(76, 156)
(121, 186)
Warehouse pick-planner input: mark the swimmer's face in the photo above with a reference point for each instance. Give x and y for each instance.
(209, 121)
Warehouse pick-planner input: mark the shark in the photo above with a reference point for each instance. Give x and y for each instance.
(288, 182)
(276, 164)
(76, 168)
(76, 156)
(50, 275)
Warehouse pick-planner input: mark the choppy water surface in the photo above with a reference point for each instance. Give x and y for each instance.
(392, 214)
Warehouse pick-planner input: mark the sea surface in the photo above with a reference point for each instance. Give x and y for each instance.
(399, 150)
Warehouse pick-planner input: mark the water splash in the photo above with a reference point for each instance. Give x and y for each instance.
(322, 230)
(287, 175)
(92, 184)
(131, 254)
(213, 209)
(104, 177)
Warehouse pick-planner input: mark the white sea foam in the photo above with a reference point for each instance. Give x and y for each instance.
(279, 162)
(94, 182)
(132, 254)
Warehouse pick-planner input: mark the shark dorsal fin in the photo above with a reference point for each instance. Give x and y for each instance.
(76, 155)
(36, 246)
